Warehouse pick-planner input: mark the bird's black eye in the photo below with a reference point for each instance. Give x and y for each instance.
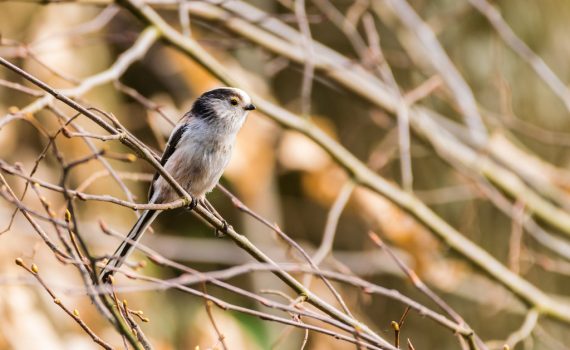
(234, 101)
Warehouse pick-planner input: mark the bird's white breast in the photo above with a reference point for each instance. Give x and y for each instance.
(206, 158)
(199, 160)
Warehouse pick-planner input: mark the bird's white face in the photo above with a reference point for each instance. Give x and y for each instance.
(223, 110)
(242, 96)
(233, 104)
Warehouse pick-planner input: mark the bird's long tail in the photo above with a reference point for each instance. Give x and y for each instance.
(134, 235)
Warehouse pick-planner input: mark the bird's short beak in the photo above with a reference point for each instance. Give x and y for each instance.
(250, 107)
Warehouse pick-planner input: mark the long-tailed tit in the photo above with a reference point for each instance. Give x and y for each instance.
(196, 155)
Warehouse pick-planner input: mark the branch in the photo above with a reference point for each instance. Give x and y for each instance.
(33, 270)
(133, 143)
(361, 174)
(281, 39)
(442, 63)
(521, 48)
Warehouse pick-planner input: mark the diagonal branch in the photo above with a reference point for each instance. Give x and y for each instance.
(284, 40)
(363, 175)
(521, 48)
(133, 143)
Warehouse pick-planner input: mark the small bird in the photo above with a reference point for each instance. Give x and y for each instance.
(198, 151)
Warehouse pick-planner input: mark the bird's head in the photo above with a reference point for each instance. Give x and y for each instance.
(223, 105)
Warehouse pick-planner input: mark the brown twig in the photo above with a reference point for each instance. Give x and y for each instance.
(472, 337)
(34, 271)
(208, 306)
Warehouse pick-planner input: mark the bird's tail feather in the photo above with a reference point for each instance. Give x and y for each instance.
(134, 235)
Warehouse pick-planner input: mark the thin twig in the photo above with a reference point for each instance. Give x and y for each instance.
(420, 119)
(33, 270)
(521, 48)
(420, 285)
(208, 306)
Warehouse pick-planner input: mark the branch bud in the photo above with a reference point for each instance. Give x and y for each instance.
(395, 326)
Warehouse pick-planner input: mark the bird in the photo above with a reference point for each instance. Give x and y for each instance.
(198, 150)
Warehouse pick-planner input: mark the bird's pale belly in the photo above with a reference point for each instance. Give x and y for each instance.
(197, 166)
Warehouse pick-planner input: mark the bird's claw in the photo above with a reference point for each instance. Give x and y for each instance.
(221, 232)
(193, 204)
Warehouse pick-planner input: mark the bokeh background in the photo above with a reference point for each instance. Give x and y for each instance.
(288, 178)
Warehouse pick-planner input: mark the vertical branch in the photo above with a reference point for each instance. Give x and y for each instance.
(402, 109)
(309, 67)
(208, 305)
(332, 222)
(515, 241)
(439, 59)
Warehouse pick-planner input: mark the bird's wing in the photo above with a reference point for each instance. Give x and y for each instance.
(173, 141)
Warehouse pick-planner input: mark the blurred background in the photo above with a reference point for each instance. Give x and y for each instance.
(492, 163)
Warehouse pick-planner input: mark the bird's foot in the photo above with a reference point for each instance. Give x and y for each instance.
(221, 232)
(193, 204)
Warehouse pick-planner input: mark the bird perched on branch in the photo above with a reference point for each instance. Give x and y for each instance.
(196, 155)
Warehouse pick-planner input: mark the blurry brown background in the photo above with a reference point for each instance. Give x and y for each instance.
(290, 180)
